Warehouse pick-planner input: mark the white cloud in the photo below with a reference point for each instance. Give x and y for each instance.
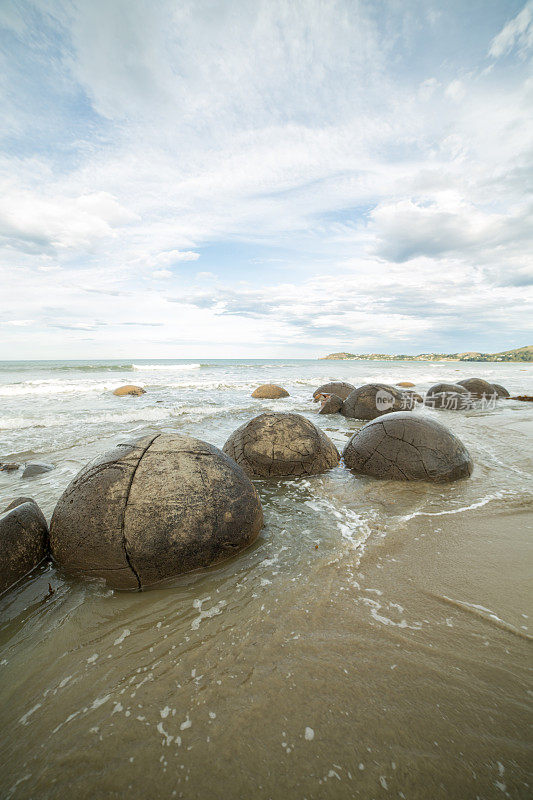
(316, 130)
(518, 33)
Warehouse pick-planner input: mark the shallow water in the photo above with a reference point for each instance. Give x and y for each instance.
(372, 643)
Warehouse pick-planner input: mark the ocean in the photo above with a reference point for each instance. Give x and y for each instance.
(373, 642)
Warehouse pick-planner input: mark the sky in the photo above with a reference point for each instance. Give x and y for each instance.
(264, 178)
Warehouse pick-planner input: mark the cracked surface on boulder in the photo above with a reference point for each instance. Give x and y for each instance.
(277, 444)
(340, 388)
(404, 446)
(362, 403)
(152, 509)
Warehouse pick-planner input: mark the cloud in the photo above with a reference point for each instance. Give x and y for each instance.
(338, 173)
(518, 33)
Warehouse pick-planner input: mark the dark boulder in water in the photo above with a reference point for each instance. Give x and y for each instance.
(23, 541)
(451, 396)
(277, 444)
(32, 470)
(408, 447)
(331, 405)
(152, 509)
(501, 391)
(374, 399)
(478, 388)
(340, 388)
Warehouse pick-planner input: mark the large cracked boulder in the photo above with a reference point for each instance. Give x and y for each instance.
(276, 444)
(23, 540)
(478, 387)
(408, 447)
(340, 388)
(152, 509)
(452, 396)
(374, 399)
(269, 391)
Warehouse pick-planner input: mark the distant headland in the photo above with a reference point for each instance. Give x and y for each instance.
(520, 354)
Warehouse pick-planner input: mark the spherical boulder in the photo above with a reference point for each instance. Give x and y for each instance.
(340, 388)
(135, 391)
(331, 405)
(374, 399)
(152, 509)
(408, 447)
(23, 541)
(501, 391)
(269, 391)
(276, 444)
(478, 387)
(451, 396)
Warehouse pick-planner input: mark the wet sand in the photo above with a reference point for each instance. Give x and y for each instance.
(400, 673)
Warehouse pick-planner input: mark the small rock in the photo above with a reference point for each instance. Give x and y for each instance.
(331, 404)
(32, 470)
(134, 391)
(269, 391)
(406, 384)
(23, 542)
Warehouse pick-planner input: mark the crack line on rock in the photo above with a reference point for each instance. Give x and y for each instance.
(130, 563)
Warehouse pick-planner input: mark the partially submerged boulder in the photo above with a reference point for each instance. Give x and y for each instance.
(405, 384)
(501, 391)
(478, 388)
(31, 470)
(374, 399)
(277, 444)
(23, 541)
(269, 391)
(9, 466)
(408, 447)
(452, 396)
(152, 509)
(134, 391)
(18, 501)
(340, 388)
(331, 405)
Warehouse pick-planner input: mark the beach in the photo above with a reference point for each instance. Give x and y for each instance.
(373, 642)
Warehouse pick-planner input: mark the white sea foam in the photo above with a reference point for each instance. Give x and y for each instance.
(165, 367)
(478, 504)
(135, 415)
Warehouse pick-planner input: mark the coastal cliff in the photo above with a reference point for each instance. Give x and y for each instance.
(519, 354)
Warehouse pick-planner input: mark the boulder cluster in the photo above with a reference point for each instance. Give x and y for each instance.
(167, 504)
(372, 400)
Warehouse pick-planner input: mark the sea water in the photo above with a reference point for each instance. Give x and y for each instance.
(373, 642)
